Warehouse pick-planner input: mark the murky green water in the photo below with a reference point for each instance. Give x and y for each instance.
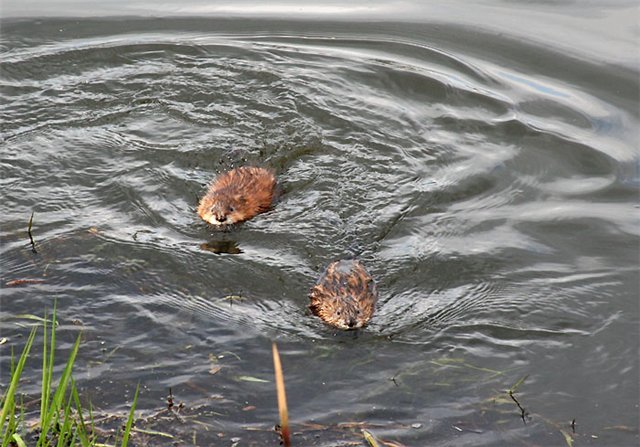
(488, 182)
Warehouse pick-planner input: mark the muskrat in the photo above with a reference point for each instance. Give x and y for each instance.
(238, 195)
(344, 296)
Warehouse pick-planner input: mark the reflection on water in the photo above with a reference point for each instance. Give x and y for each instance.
(218, 247)
(494, 199)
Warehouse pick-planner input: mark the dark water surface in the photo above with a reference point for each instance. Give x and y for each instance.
(488, 182)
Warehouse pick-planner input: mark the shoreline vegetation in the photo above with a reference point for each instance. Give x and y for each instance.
(58, 418)
(61, 419)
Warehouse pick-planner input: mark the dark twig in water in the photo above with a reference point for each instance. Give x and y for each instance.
(573, 426)
(170, 400)
(33, 244)
(523, 412)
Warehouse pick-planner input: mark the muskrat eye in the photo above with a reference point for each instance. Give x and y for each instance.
(231, 209)
(338, 313)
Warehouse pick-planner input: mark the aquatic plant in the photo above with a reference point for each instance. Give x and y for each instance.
(282, 398)
(60, 420)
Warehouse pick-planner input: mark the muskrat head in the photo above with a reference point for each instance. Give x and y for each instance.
(344, 296)
(221, 209)
(343, 312)
(348, 316)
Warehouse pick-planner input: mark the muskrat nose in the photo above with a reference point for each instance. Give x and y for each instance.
(351, 322)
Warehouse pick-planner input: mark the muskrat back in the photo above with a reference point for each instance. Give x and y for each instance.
(345, 295)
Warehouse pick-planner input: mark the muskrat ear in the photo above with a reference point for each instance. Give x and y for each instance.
(240, 198)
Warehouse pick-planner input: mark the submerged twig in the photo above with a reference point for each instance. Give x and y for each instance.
(20, 282)
(33, 244)
(170, 400)
(282, 398)
(523, 412)
(512, 390)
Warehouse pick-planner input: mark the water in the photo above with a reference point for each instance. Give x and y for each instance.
(488, 180)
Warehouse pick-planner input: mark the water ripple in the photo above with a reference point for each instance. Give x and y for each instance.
(494, 204)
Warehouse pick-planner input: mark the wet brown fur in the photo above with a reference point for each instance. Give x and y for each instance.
(344, 296)
(238, 195)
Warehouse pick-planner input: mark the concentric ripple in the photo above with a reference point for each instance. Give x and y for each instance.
(401, 153)
(496, 205)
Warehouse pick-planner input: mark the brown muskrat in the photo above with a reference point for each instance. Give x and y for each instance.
(344, 296)
(238, 195)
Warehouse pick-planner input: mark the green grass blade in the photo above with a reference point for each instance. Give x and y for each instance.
(61, 390)
(8, 407)
(46, 382)
(371, 440)
(13, 361)
(567, 438)
(516, 385)
(65, 428)
(153, 433)
(48, 356)
(30, 317)
(81, 428)
(127, 429)
(18, 440)
(52, 349)
(93, 425)
(20, 420)
(11, 427)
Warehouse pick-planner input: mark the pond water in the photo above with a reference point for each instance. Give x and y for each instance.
(481, 160)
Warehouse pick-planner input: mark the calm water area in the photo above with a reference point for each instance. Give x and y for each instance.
(480, 158)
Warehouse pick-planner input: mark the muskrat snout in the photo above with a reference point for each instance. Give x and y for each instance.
(220, 218)
(221, 215)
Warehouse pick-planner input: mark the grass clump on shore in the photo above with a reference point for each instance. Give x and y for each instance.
(60, 421)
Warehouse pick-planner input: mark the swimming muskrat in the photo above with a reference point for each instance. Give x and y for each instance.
(238, 195)
(344, 296)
